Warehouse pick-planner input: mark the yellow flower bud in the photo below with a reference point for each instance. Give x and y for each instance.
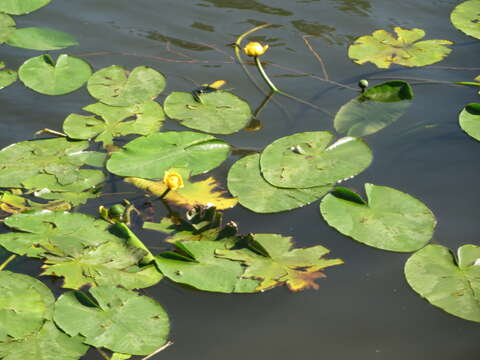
(255, 49)
(173, 180)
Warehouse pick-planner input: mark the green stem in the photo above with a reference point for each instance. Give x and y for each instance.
(165, 193)
(102, 354)
(51, 132)
(265, 76)
(8, 261)
(134, 241)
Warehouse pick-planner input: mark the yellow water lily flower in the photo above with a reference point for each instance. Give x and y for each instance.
(173, 180)
(255, 49)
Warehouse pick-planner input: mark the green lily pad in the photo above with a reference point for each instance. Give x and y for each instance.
(469, 120)
(43, 75)
(116, 86)
(448, 283)
(25, 304)
(7, 27)
(47, 344)
(59, 157)
(218, 112)
(21, 7)
(86, 179)
(271, 259)
(466, 17)
(247, 183)
(375, 109)
(150, 156)
(68, 197)
(383, 49)
(7, 76)
(194, 264)
(117, 319)
(390, 220)
(308, 159)
(36, 38)
(114, 121)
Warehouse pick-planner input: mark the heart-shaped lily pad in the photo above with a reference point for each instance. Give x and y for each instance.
(43, 75)
(390, 220)
(466, 17)
(217, 112)
(383, 49)
(451, 284)
(469, 120)
(117, 319)
(375, 109)
(150, 156)
(21, 7)
(114, 121)
(7, 27)
(116, 86)
(309, 159)
(247, 183)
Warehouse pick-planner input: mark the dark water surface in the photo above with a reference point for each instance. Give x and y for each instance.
(364, 310)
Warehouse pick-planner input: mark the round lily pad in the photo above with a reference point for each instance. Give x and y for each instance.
(375, 109)
(383, 48)
(390, 220)
(247, 183)
(21, 7)
(309, 159)
(115, 318)
(116, 86)
(25, 304)
(469, 120)
(466, 17)
(449, 283)
(7, 27)
(218, 112)
(150, 156)
(43, 75)
(36, 38)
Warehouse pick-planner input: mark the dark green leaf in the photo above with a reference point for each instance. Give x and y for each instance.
(469, 120)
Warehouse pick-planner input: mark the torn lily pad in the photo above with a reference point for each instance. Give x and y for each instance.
(271, 260)
(217, 112)
(310, 159)
(384, 49)
(114, 318)
(449, 283)
(388, 220)
(114, 121)
(247, 183)
(466, 17)
(116, 86)
(469, 120)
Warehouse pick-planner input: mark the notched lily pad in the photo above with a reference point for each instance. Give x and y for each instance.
(389, 220)
(466, 17)
(247, 183)
(452, 284)
(36, 38)
(117, 319)
(383, 48)
(271, 260)
(150, 156)
(43, 75)
(309, 159)
(116, 86)
(375, 109)
(21, 7)
(469, 120)
(217, 112)
(114, 121)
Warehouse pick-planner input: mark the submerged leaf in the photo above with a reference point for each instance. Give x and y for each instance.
(114, 121)
(43, 75)
(383, 49)
(308, 159)
(117, 319)
(390, 220)
(271, 260)
(21, 7)
(451, 284)
(375, 109)
(150, 156)
(469, 120)
(116, 86)
(36, 38)
(466, 17)
(217, 112)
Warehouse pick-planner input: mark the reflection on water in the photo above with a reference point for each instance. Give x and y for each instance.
(324, 32)
(357, 7)
(184, 44)
(201, 26)
(251, 5)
